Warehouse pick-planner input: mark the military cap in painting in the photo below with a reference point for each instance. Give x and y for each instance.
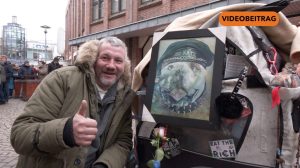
(190, 50)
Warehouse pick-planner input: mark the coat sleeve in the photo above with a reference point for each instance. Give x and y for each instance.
(39, 130)
(9, 71)
(116, 155)
(21, 73)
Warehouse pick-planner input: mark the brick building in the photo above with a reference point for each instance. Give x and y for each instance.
(134, 21)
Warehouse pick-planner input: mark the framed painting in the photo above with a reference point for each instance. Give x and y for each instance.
(185, 75)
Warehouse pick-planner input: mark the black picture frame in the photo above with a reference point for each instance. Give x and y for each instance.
(173, 98)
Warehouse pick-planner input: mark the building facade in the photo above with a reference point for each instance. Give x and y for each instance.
(13, 41)
(134, 21)
(1, 45)
(36, 51)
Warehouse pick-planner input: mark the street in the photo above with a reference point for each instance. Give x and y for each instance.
(8, 113)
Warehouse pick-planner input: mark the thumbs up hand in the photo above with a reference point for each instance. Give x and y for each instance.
(84, 129)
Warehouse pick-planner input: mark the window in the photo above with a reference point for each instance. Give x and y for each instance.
(97, 10)
(146, 1)
(35, 55)
(118, 6)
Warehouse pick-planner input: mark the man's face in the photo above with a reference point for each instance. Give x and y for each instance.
(110, 65)
(2, 59)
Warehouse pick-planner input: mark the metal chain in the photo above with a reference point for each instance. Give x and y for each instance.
(298, 153)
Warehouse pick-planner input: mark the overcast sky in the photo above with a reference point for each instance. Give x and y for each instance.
(32, 14)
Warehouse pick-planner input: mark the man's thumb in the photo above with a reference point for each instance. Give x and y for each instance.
(83, 108)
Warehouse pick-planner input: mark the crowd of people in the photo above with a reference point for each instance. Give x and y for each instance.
(9, 72)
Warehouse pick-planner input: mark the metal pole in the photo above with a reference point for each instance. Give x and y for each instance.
(45, 43)
(45, 31)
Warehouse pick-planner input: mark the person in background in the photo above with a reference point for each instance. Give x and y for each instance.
(35, 71)
(54, 65)
(80, 115)
(2, 81)
(16, 70)
(26, 71)
(9, 76)
(10, 79)
(42, 70)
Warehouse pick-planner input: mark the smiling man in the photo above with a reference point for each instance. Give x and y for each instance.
(78, 116)
(110, 65)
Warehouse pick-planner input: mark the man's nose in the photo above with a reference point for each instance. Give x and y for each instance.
(111, 64)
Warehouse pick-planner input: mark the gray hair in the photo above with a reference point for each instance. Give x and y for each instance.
(116, 42)
(89, 51)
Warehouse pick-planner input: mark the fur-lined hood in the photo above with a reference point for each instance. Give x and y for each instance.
(87, 56)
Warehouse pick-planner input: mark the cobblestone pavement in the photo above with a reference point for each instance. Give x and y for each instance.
(8, 113)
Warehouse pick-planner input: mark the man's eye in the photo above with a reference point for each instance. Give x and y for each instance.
(104, 58)
(119, 61)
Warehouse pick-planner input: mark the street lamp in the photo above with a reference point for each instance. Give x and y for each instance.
(45, 27)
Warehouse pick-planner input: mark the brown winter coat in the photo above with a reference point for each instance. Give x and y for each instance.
(37, 134)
